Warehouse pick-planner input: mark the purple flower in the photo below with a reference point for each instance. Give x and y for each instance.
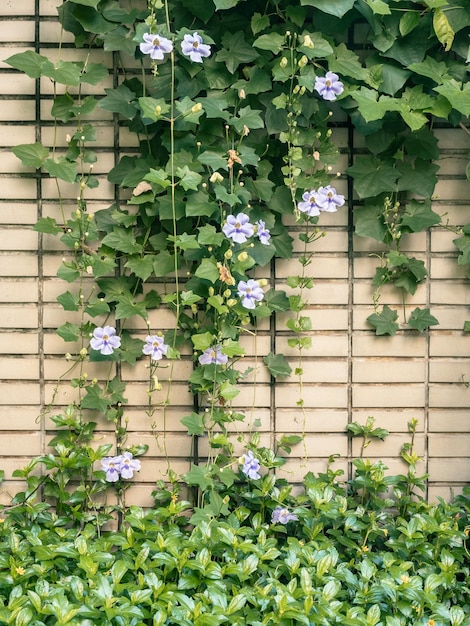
(154, 347)
(111, 465)
(263, 232)
(329, 86)
(213, 355)
(250, 292)
(105, 340)
(282, 515)
(250, 465)
(128, 465)
(193, 47)
(328, 199)
(156, 46)
(310, 203)
(238, 227)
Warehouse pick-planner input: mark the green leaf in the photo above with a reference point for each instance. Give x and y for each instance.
(236, 51)
(420, 319)
(419, 216)
(29, 62)
(443, 29)
(228, 391)
(373, 176)
(458, 96)
(68, 272)
(131, 348)
(95, 399)
(338, 8)
(31, 154)
(277, 365)
(47, 225)
(153, 109)
(209, 236)
(141, 266)
(259, 23)
(379, 7)
(384, 322)
(221, 5)
(69, 331)
(408, 22)
(127, 307)
(199, 205)
(68, 301)
(62, 168)
(273, 42)
(65, 72)
(94, 73)
(200, 476)
(194, 423)
(431, 68)
(208, 270)
(188, 178)
(247, 117)
(120, 100)
(165, 263)
(122, 241)
(463, 244)
(202, 341)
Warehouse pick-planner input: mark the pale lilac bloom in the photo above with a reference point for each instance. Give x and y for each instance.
(193, 47)
(250, 465)
(154, 347)
(238, 227)
(213, 355)
(250, 292)
(329, 200)
(282, 515)
(105, 340)
(128, 465)
(111, 465)
(263, 232)
(329, 86)
(156, 46)
(310, 203)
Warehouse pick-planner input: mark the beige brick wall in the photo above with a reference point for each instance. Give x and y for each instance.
(350, 373)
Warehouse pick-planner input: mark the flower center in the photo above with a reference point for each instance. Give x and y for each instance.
(196, 44)
(312, 199)
(238, 225)
(155, 344)
(105, 337)
(248, 291)
(156, 42)
(328, 83)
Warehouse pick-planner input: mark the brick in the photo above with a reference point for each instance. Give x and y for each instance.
(311, 420)
(16, 84)
(13, 110)
(17, 188)
(450, 469)
(448, 396)
(18, 264)
(12, 392)
(448, 343)
(20, 212)
(18, 343)
(314, 396)
(449, 293)
(19, 239)
(447, 371)
(20, 30)
(447, 268)
(449, 420)
(19, 417)
(395, 396)
(402, 343)
(387, 370)
(325, 345)
(321, 267)
(19, 316)
(389, 447)
(391, 419)
(440, 445)
(18, 290)
(14, 8)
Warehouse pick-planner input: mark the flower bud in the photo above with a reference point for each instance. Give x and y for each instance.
(283, 62)
(242, 256)
(303, 61)
(211, 291)
(197, 107)
(227, 293)
(242, 94)
(158, 110)
(228, 254)
(307, 42)
(262, 282)
(216, 177)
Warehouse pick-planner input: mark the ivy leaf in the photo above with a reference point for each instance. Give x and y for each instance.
(68, 272)
(214, 160)
(68, 301)
(458, 96)
(95, 398)
(384, 322)
(202, 341)
(277, 300)
(65, 72)
(435, 70)
(120, 100)
(141, 266)
(373, 176)
(259, 23)
(62, 168)
(419, 216)
(232, 348)
(443, 29)
(153, 109)
(194, 423)
(199, 475)
(236, 51)
(463, 244)
(31, 154)
(247, 117)
(131, 348)
(94, 73)
(277, 365)
(69, 331)
(208, 270)
(198, 204)
(188, 178)
(127, 307)
(408, 22)
(122, 241)
(209, 236)
(419, 179)
(228, 391)
(29, 62)
(47, 225)
(420, 319)
(378, 7)
(338, 8)
(274, 42)
(165, 263)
